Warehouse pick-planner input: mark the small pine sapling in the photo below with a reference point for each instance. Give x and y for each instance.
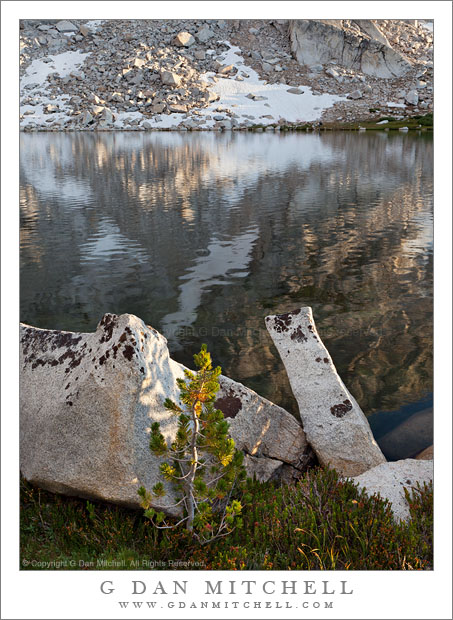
(203, 464)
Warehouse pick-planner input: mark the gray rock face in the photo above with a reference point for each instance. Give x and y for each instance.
(170, 78)
(259, 427)
(412, 97)
(91, 399)
(390, 480)
(204, 34)
(335, 426)
(261, 469)
(318, 41)
(65, 26)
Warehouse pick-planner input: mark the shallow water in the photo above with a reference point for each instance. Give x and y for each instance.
(203, 234)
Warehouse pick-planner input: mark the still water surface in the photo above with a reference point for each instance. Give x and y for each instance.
(202, 235)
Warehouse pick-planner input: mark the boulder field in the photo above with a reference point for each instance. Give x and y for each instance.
(182, 74)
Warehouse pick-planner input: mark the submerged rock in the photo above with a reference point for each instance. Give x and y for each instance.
(336, 427)
(390, 480)
(87, 402)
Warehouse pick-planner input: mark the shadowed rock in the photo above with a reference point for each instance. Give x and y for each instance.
(87, 402)
(336, 427)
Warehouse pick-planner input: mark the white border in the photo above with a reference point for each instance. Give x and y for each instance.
(376, 594)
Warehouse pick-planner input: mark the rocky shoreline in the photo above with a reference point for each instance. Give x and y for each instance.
(222, 75)
(92, 398)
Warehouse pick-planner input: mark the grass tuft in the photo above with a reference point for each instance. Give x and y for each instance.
(322, 523)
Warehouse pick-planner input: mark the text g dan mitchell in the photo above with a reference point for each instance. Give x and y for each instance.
(234, 587)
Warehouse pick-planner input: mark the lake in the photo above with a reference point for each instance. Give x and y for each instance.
(203, 234)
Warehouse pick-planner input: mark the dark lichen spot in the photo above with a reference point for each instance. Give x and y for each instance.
(229, 405)
(325, 360)
(318, 359)
(298, 335)
(104, 358)
(38, 341)
(341, 409)
(123, 337)
(128, 352)
(282, 322)
(69, 403)
(108, 323)
(142, 370)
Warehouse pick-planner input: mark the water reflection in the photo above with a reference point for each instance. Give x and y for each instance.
(203, 234)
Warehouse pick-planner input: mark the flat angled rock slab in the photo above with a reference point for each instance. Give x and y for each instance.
(261, 428)
(390, 480)
(87, 402)
(335, 426)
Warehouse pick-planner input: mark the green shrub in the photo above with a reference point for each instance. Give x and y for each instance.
(322, 522)
(204, 466)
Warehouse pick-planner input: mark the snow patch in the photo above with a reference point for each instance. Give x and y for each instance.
(35, 78)
(63, 64)
(279, 104)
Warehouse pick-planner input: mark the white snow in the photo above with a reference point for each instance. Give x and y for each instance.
(36, 74)
(382, 123)
(391, 104)
(233, 95)
(63, 64)
(278, 103)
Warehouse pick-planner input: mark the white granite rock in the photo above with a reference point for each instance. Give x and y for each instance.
(335, 426)
(411, 97)
(390, 480)
(91, 398)
(184, 39)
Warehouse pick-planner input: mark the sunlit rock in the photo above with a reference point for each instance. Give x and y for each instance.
(336, 427)
(87, 402)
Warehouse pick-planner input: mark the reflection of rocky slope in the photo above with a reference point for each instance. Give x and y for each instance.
(341, 223)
